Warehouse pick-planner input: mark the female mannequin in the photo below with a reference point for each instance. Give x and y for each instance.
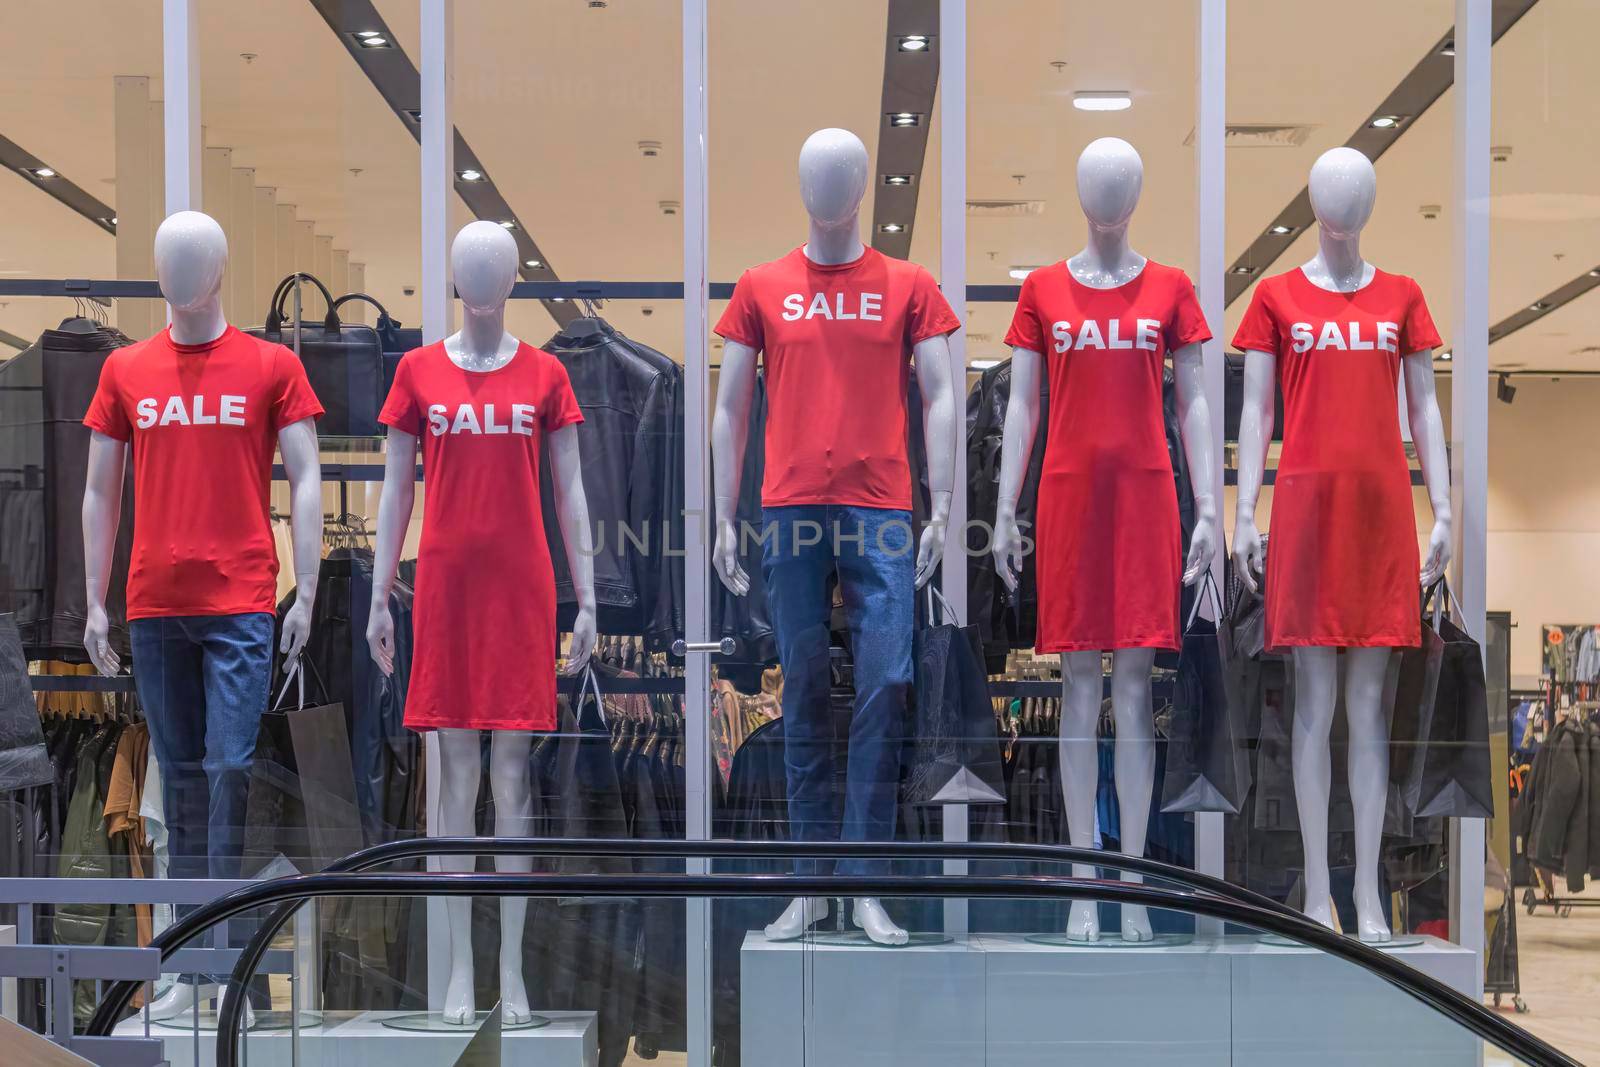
(485, 598)
(1343, 565)
(1108, 538)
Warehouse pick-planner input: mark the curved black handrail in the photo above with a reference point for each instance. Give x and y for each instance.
(1439, 997)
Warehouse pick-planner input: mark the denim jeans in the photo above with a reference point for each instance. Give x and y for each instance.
(203, 681)
(873, 551)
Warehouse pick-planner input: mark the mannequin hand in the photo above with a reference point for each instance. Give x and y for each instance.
(97, 642)
(1438, 552)
(725, 557)
(296, 627)
(1008, 549)
(1202, 549)
(582, 646)
(1247, 554)
(930, 552)
(380, 637)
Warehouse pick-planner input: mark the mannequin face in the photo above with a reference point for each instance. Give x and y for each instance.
(191, 253)
(1110, 178)
(1343, 188)
(833, 176)
(483, 258)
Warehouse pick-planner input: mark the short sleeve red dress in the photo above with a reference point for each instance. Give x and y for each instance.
(484, 614)
(1108, 545)
(1342, 564)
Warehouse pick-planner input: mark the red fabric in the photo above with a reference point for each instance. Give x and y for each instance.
(1342, 565)
(484, 613)
(1108, 543)
(837, 343)
(203, 421)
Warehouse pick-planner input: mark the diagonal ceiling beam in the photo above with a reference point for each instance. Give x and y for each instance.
(25, 165)
(910, 81)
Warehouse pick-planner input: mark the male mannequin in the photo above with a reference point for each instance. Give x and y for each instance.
(1126, 309)
(1337, 333)
(809, 312)
(482, 453)
(203, 405)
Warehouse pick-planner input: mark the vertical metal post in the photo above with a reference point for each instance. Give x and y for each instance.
(1469, 422)
(180, 71)
(1210, 201)
(696, 475)
(953, 278)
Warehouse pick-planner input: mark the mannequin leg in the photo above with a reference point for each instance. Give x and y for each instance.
(461, 768)
(513, 817)
(1081, 688)
(1364, 671)
(1135, 766)
(1316, 682)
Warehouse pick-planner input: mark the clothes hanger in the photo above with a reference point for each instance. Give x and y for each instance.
(589, 324)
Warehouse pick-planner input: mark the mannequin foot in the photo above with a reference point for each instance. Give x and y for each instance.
(797, 918)
(1136, 923)
(182, 996)
(1084, 922)
(224, 992)
(514, 997)
(1322, 912)
(868, 915)
(1371, 923)
(459, 1006)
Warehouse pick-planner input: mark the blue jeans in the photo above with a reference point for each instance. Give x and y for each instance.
(873, 551)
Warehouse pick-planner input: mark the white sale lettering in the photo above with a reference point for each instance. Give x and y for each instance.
(1345, 337)
(844, 307)
(468, 421)
(189, 411)
(1107, 337)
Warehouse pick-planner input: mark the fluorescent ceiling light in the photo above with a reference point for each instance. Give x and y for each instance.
(1102, 101)
(983, 364)
(1021, 273)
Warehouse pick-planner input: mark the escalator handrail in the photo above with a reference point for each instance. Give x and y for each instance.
(1433, 993)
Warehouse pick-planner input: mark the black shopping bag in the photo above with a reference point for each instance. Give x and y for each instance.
(1439, 740)
(955, 753)
(320, 742)
(1207, 767)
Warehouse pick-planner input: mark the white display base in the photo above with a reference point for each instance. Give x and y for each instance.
(361, 1040)
(8, 986)
(1002, 1001)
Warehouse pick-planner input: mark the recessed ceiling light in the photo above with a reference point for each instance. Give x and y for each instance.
(509, 224)
(1595, 273)
(1020, 273)
(1385, 122)
(371, 39)
(1281, 231)
(891, 227)
(1539, 305)
(904, 118)
(897, 179)
(470, 175)
(914, 42)
(1445, 356)
(532, 264)
(1242, 270)
(39, 172)
(1102, 101)
(983, 364)
(1448, 48)
(414, 114)
(367, 33)
(558, 300)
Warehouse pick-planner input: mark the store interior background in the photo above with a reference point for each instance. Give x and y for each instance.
(556, 96)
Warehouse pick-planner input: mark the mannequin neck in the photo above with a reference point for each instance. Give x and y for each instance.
(830, 245)
(1107, 260)
(198, 325)
(482, 342)
(1338, 265)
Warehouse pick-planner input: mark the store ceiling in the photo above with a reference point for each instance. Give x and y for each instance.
(555, 97)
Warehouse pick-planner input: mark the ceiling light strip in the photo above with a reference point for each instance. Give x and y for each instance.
(1386, 124)
(24, 164)
(397, 80)
(910, 81)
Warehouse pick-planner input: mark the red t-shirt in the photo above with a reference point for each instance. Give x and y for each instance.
(203, 421)
(837, 343)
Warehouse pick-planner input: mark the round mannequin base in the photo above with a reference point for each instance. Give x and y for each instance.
(260, 1020)
(859, 939)
(1398, 941)
(433, 1022)
(1113, 941)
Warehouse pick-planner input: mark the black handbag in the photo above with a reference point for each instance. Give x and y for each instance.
(1208, 768)
(955, 756)
(1439, 740)
(344, 363)
(395, 339)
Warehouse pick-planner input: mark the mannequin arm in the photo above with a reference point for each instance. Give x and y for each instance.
(572, 509)
(102, 512)
(931, 360)
(1016, 445)
(298, 443)
(730, 429)
(1255, 433)
(1194, 425)
(1427, 431)
(394, 518)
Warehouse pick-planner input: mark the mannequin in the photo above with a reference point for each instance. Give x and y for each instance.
(483, 259)
(829, 311)
(1110, 177)
(203, 624)
(1343, 188)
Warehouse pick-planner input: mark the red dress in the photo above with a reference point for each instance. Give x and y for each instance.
(1108, 543)
(1342, 563)
(484, 615)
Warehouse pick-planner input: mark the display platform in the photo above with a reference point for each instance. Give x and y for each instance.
(1007, 1001)
(363, 1040)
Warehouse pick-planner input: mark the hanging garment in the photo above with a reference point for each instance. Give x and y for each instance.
(24, 761)
(485, 626)
(1344, 562)
(1109, 541)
